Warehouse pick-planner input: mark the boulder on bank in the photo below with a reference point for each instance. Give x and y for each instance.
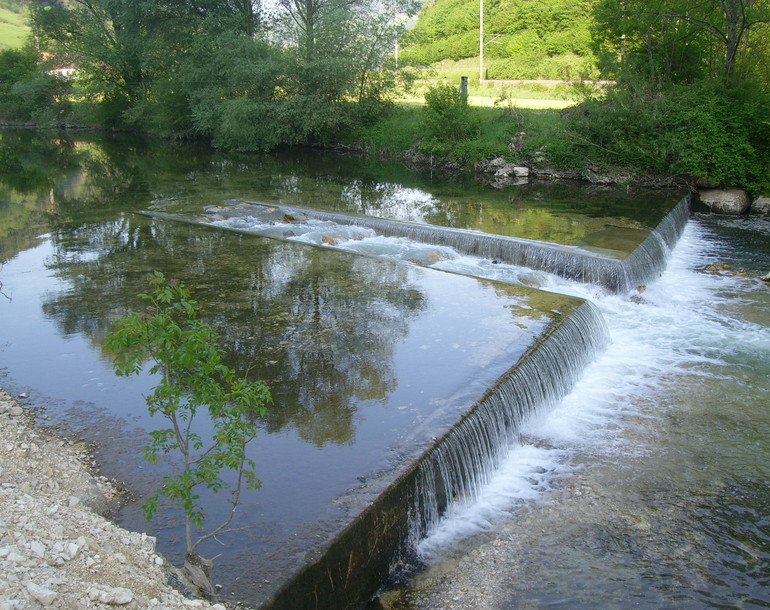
(501, 173)
(725, 201)
(761, 206)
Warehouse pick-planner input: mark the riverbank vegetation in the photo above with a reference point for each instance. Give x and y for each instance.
(686, 95)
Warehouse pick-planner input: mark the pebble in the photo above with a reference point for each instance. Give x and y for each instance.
(45, 596)
(37, 548)
(112, 596)
(54, 550)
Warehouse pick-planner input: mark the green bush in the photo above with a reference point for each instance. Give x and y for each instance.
(705, 131)
(448, 118)
(27, 93)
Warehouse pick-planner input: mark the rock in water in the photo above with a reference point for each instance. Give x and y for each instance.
(725, 201)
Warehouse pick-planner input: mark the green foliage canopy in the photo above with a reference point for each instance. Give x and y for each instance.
(27, 91)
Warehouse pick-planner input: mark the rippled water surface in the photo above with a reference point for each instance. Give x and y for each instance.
(648, 485)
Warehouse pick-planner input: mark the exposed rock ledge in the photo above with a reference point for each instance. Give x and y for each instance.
(55, 550)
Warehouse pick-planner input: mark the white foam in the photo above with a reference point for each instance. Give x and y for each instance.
(675, 325)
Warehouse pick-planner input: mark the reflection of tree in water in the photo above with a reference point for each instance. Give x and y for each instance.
(49, 180)
(319, 327)
(30, 170)
(332, 338)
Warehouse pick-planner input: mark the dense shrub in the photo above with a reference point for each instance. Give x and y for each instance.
(447, 120)
(706, 131)
(27, 92)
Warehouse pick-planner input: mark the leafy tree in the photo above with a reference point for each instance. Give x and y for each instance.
(127, 51)
(27, 92)
(192, 378)
(684, 40)
(339, 43)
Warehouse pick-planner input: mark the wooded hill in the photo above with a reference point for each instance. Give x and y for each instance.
(524, 39)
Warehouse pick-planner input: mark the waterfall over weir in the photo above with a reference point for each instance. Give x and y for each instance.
(453, 449)
(465, 457)
(642, 265)
(405, 504)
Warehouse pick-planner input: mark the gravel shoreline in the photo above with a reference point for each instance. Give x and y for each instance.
(56, 549)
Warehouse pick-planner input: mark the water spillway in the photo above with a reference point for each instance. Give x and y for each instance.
(535, 347)
(645, 263)
(452, 454)
(462, 437)
(649, 259)
(462, 462)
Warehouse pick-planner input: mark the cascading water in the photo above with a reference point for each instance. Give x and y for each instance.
(570, 262)
(573, 263)
(464, 459)
(648, 261)
(648, 481)
(460, 464)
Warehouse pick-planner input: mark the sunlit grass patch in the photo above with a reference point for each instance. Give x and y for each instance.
(13, 29)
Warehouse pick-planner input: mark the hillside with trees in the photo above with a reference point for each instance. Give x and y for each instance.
(549, 39)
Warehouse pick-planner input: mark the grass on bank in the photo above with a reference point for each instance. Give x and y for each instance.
(450, 72)
(404, 128)
(501, 99)
(13, 29)
(702, 133)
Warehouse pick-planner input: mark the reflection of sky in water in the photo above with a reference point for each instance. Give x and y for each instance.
(391, 201)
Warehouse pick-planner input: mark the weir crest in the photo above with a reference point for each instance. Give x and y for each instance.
(619, 275)
(445, 460)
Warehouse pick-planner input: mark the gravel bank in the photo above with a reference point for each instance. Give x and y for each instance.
(55, 548)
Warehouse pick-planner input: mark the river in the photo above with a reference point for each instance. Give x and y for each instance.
(647, 485)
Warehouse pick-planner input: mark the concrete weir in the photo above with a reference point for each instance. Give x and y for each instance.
(471, 360)
(401, 505)
(619, 275)
(523, 350)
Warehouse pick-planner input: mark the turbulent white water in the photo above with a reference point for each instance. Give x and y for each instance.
(674, 327)
(683, 325)
(575, 263)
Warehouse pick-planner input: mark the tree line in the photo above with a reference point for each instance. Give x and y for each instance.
(690, 98)
(247, 76)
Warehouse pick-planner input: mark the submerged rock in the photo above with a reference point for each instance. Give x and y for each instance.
(725, 269)
(333, 240)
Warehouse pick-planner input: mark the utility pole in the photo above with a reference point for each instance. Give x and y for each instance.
(481, 40)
